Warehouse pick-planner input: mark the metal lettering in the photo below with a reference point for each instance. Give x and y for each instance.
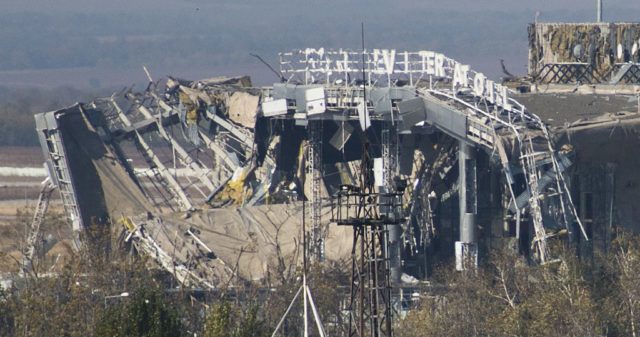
(478, 84)
(460, 76)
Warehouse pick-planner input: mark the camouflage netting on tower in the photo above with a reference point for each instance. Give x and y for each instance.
(598, 46)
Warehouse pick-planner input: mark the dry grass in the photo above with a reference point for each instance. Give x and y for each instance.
(11, 235)
(19, 193)
(17, 156)
(13, 232)
(13, 156)
(9, 180)
(16, 207)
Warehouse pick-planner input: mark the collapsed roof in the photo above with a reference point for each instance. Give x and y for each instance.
(208, 176)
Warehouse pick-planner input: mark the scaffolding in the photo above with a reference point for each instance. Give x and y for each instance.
(38, 217)
(62, 178)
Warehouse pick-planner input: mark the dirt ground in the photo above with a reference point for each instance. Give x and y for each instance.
(18, 196)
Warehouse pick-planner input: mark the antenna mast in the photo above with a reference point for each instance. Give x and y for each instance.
(370, 213)
(307, 299)
(599, 11)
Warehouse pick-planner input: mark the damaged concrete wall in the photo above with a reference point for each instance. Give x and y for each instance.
(107, 191)
(605, 180)
(243, 108)
(235, 157)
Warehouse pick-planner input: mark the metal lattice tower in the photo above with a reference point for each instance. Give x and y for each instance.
(389, 140)
(314, 171)
(370, 214)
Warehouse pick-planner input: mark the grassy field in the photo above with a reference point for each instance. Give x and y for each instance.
(19, 156)
(18, 187)
(18, 195)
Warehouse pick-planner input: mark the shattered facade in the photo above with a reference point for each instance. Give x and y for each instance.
(213, 178)
(584, 81)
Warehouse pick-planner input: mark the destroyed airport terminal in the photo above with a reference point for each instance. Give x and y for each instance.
(214, 178)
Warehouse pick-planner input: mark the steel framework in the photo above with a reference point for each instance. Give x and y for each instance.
(442, 94)
(314, 171)
(38, 217)
(369, 213)
(566, 73)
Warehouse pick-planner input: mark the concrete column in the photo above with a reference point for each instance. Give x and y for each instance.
(395, 264)
(467, 248)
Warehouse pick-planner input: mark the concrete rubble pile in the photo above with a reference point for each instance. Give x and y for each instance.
(213, 178)
(177, 166)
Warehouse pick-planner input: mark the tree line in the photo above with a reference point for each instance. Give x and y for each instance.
(18, 105)
(507, 297)
(104, 290)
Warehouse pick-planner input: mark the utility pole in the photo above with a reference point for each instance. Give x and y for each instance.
(371, 213)
(599, 11)
(467, 247)
(307, 300)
